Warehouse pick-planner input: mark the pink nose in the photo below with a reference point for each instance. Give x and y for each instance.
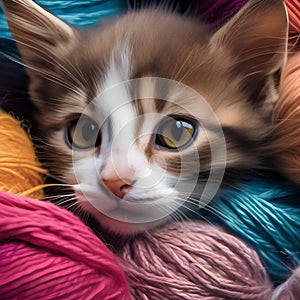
(117, 186)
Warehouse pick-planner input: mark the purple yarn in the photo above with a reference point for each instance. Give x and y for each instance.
(216, 12)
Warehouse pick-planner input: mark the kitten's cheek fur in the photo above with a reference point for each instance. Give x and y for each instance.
(120, 227)
(87, 199)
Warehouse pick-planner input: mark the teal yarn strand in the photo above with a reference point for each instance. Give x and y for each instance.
(81, 13)
(266, 214)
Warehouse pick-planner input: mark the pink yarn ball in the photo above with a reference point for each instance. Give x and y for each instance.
(192, 261)
(48, 253)
(289, 290)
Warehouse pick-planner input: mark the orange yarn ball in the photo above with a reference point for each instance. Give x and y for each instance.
(20, 171)
(287, 118)
(293, 8)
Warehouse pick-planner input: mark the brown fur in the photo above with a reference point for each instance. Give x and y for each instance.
(286, 144)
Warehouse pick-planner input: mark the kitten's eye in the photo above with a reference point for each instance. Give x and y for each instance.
(83, 133)
(175, 133)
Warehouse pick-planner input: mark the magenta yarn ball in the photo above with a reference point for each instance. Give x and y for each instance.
(218, 11)
(192, 261)
(48, 253)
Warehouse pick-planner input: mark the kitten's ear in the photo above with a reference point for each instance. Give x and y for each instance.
(257, 39)
(41, 37)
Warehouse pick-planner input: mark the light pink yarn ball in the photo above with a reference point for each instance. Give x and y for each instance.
(193, 260)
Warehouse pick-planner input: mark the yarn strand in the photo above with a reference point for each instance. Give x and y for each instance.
(20, 171)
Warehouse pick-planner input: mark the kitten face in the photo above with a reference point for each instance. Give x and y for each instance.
(121, 110)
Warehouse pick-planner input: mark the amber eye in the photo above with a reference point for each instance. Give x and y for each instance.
(175, 133)
(83, 133)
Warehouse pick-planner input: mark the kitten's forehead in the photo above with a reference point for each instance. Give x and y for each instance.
(142, 45)
(164, 45)
(114, 101)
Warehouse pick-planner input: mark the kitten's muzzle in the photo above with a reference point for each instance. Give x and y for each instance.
(117, 186)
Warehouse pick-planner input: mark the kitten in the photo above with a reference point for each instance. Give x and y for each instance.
(121, 110)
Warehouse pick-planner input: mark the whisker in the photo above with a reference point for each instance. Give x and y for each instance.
(194, 201)
(182, 216)
(64, 202)
(56, 197)
(188, 57)
(72, 207)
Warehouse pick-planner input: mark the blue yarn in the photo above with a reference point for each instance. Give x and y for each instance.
(81, 13)
(266, 213)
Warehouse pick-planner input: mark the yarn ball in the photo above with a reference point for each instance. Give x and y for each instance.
(287, 120)
(217, 11)
(20, 171)
(266, 214)
(293, 8)
(48, 253)
(193, 260)
(290, 290)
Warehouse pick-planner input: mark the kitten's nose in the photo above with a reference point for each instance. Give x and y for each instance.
(117, 186)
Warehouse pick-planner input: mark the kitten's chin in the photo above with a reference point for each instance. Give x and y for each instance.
(117, 226)
(125, 228)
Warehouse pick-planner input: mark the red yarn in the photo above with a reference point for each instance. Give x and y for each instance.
(293, 8)
(48, 253)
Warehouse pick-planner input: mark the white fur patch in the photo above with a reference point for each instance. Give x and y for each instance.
(114, 99)
(116, 104)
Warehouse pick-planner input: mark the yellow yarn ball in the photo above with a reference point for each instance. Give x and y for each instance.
(20, 171)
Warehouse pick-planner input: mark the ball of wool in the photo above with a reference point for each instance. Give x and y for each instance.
(289, 290)
(216, 12)
(47, 253)
(20, 171)
(287, 118)
(193, 260)
(293, 8)
(266, 213)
